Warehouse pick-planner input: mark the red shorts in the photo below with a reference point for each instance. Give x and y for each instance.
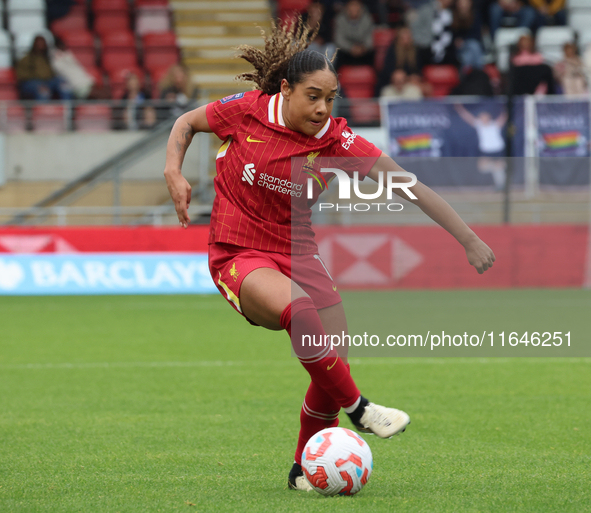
(230, 264)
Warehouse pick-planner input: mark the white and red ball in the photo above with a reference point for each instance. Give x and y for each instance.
(337, 461)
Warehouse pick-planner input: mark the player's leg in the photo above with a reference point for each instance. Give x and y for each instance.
(271, 299)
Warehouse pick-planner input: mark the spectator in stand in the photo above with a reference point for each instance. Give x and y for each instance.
(37, 79)
(322, 43)
(442, 48)
(431, 26)
(549, 12)
(136, 96)
(524, 14)
(176, 88)
(68, 68)
(531, 74)
(569, 72)
(354, 35)
(401, 54)
(467, 29)
(401, 88)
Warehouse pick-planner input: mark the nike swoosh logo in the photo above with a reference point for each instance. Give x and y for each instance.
(335, 362)
(248, 139)
(334, 287)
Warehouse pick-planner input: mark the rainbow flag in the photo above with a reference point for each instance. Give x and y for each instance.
(561, 140)
(415, 142)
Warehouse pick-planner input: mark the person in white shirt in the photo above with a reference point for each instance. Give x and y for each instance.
(491, 143)
(400, 88)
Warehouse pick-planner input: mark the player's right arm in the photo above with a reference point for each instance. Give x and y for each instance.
(185, 127)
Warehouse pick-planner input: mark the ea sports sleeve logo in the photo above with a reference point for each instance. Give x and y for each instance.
(248, 173)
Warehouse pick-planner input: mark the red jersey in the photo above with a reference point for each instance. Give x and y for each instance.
(261, 197)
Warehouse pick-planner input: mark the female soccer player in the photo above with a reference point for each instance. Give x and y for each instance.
(262, 253)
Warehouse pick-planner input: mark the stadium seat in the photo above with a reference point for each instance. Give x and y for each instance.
(580, 19)
(382, 38)
(584, 38)
(111, 22)
(25, 5)
(21, 21)
(364, 111)
(550, 41)
(357, 81)
(5, 49)
(118, 78)
(81, 42)
(160, 50)
(579, 4)
(99, 6)
(504, 39)
(93, 118)
(48, 118)
(72, 22)
(443, 78)
(8, 90)
(152, 18)
(13, 119)
(119, 51)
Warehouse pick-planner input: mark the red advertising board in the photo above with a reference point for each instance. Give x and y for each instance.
(362, 257)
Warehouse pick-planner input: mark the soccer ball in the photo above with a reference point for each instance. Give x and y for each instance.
(337, 461)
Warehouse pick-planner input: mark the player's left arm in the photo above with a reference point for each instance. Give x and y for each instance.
(478, 253)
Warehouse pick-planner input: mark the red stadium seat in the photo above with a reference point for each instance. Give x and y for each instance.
(123, 39)
(111, 22)
(382, 38)
(443, 78)
(119, 51)
(8, 90)
(118, 78)
(8, 93)
(74, 21)
(7, 76)
(365, 112)
(358, 81)
(99, 6)
(49, 118)
(93, 118)
(14, 119)
(119, 59)
(160, 50)
(81, 42)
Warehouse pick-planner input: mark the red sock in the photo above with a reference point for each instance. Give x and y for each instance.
(319, 412)
(326, 369)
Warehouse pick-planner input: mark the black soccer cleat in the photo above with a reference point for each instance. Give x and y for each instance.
(296, 479)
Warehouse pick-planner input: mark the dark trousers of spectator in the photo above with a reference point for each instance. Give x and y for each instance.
(346, 59)
(526, 17)
(558, 19)
(45, 89)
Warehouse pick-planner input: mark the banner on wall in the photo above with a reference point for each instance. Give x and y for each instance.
(421, 133)
(562, 142)
(100, 273)
(145, 260)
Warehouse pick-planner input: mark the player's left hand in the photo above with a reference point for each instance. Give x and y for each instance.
(480, 255)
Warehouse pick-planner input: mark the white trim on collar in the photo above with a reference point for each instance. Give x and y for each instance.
(323, 130)
(280, 110)
(272, 108)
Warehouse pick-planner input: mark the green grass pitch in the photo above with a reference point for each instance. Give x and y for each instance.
(175, 403)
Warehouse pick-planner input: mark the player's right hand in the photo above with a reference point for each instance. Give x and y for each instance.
(180, 192)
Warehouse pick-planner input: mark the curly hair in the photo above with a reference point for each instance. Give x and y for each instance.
(284, 56)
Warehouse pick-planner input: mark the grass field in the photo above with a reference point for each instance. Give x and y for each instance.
(124, 404)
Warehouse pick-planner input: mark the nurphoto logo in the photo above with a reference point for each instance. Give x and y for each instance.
(391, 183)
